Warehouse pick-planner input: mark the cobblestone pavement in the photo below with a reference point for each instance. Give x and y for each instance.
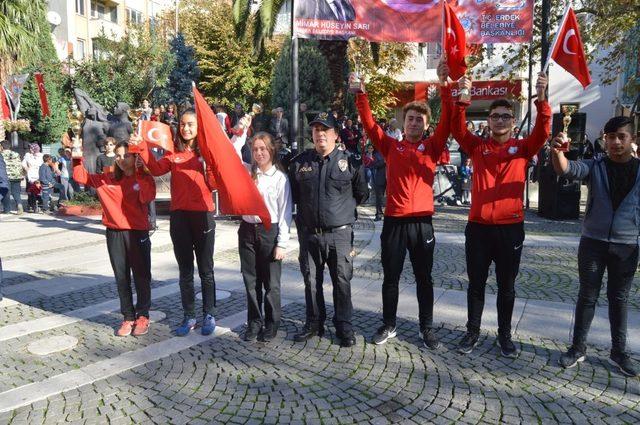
(226, 380)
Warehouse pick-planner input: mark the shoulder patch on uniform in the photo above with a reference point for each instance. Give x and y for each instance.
(343, 164)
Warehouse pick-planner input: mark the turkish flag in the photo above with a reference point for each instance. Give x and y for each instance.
(238, 192)
(44, 103)
(5, 111)
(157, 134)
(568, 51)
(454, 43)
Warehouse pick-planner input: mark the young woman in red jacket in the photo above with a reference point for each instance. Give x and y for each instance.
(192, 226)
(124, 195)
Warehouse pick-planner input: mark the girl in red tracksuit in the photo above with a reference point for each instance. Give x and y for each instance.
(124, 195)
(192, 225)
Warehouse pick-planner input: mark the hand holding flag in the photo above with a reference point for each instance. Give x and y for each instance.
(454, 43)
(157, 134)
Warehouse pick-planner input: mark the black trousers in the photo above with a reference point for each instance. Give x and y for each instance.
(621, 262)
(130, 251)
(334, 250)
(194, 232)
(260, 271)
(379, 191)
(501, 244)
(303, 252)
(414, 234)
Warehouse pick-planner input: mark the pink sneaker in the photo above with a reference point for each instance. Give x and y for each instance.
(141, 326)
(125, 328)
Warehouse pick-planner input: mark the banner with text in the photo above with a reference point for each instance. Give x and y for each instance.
(485, 21)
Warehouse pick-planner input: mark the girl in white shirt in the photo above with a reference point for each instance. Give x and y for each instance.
(262, 251)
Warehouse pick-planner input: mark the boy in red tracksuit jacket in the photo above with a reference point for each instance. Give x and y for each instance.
(124, 195)
(407, 224)
(495, 231)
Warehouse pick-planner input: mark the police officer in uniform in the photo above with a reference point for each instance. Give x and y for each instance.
(327, 185)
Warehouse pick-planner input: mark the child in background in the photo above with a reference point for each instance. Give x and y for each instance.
(466, 172)
(35, 196)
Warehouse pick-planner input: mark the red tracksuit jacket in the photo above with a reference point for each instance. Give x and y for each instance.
(125, 201)
(410, 166)
(190, 188)
(499, 170)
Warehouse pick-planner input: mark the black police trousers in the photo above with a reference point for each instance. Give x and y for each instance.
(194, 231)
(130, 251)
(414, 234)
(501, 244)
(621, 262)
(334, 250)
(260, 272)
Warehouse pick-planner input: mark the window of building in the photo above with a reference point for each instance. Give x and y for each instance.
(80, 7)
(79, 52)
(100, 10)
(134, 17)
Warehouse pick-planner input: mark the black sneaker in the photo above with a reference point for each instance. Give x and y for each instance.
(468, 342)
(430, 340)
(251, 334)
(383, 334)
(571, 358)
(507, 347)
(624, 363)
(347, 341)
(308, 331)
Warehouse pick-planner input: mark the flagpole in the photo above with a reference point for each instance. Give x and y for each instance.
(555, 40)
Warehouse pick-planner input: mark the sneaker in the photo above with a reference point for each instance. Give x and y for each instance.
(187, 326)
(125, 328)
(20, 209)
(624, 363)
(268, 333)
(507, 347)
(208, 325)
(307, 332)
(430, 340)
(251, 333)
(141, 326)
(383, 334)
(571, 358)
(468, 342)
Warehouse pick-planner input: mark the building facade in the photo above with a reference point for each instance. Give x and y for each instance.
(76, 24)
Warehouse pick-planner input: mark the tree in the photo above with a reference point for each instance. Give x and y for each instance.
(21, 25)
(604, 26)
(184, 73)
(127, 70)
(316, 89)
(230, 72)
(380, 76)
(46, 130)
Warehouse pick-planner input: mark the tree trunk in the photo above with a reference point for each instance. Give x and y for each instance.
(336, 53)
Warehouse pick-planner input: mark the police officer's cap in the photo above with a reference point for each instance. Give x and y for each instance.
(325, 119)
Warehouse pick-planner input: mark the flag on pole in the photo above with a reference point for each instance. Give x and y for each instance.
(454, 43)
(568, 51)
(5, 111)
(238, 192)
(157, 134)
(44, 103)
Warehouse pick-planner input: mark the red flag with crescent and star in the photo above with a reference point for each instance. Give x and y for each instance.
(568, 50)
(42, 91)
(454, 43)
(157, 134)
(238, 192)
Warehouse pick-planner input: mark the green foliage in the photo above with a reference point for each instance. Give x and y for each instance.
(84, 199)
(22, 25)
(316, 89)
(185, 71)
(392, 59)
(128, 70)
(46, 130)
(260, 26)
(230, 72)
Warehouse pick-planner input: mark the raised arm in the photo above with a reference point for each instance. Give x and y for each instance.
(467, 140)
(156, 168)
(374, 131)
(542, 128)
(577, 170)
(82, 176)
